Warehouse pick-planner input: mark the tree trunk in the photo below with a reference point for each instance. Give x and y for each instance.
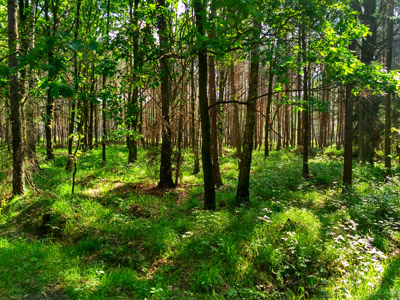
(92, 108)
(242, 193)
(213, 100)
(50, 98)
(348, 139)
(236, 114)
(214, 133)
(306, 113)
(366, 112)
(133, 105)
(71, 122)
(18, 184)
(388, 100)
(268, 112)
(104, 113)
(195, 140)
(30, 103)
(179, 143)
(348, 134)
(209, 189)
(166, 147)
(220, 109)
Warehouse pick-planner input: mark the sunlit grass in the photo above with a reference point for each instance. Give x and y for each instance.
(117, 237)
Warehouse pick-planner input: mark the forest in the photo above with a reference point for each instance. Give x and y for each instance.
(199, 149)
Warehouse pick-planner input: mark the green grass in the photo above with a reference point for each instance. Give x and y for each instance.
(118, 238)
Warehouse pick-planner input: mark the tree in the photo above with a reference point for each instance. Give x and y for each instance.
(165, 76)
(366, 112)
(76, 81)
(209, 189)
(31, 132)
(15, 101)
(104, 100)
(388, 102)
(348, 132)
(133, 95)
(213, 100)
(242, 193)
(52, 20)
(306, 109)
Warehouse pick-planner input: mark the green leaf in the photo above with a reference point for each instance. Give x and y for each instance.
(94, 46)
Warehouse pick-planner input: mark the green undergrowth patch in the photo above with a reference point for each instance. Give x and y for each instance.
(118, 237)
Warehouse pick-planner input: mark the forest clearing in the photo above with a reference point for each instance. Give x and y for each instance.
(199, 149)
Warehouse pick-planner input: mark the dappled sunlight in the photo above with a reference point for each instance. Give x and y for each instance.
(120, 236)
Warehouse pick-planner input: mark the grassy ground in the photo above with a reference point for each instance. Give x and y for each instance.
(118, 238)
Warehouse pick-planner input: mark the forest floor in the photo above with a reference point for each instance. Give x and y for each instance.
(119, 238)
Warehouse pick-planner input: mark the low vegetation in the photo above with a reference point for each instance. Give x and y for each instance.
(119, 237)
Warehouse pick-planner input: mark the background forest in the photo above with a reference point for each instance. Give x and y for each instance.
(202, 149)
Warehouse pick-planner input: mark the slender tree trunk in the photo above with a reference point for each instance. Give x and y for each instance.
(195, 142)
(388, 100)
(166, 147)
(339, 130)
(299, 113)
(133, 106)
(306, 112)
(268, 112)
(214, 133)
(18, 184)
(7, 132)
(30, 104)
(236, 114)
(71, 122)
(51, 75)
(104, 113)
(209, 189)
(279, 129)
(96, 125)
(213, 100)
(242, 193)
(92, 108)
(366, 112)
(348, 134)
(348, 139)
(179, 143)
(220, 109)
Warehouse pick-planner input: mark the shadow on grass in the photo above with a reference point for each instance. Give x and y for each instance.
(392, 272)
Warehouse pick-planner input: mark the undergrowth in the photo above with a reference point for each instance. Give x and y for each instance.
(119, 238)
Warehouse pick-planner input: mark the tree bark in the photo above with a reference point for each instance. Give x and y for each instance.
(236, 114)
(18, 184)
(268, 112)
(166, 147)
(214, 132)
(220, 109)
(30, 103)
(104, 113)
(133, 105)
(365, 110)
(71, 121)
(209, 189)
(242, 193)
(348, 139)
(388, 100)
(92, 108)
(213, 100)
(195, 142)
(50, 99)
(305, 113)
